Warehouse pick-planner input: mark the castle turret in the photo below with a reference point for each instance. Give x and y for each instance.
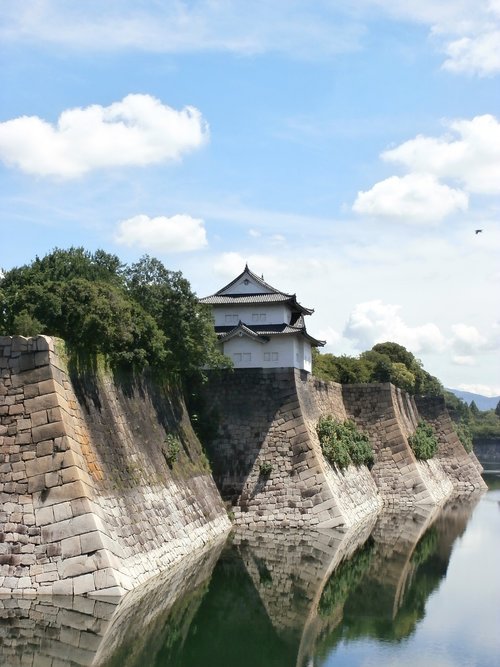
(258, 326)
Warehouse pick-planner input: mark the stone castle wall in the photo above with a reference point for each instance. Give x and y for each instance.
(463, 468)
(390, 416)
(270, 416)
(487, 450)
(89, 504)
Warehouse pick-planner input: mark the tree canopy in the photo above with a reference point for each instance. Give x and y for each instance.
(139, 315)
(385, 362)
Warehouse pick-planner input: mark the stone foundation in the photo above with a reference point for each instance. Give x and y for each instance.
(462, 468)
(269, 417)
(89, 504)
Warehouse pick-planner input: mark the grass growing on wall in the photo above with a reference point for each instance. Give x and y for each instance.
(343, 443)
(464, 435)
(171, 448)
(423, 441)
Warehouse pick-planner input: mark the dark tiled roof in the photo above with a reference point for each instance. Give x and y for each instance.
(255, 277)
(236, 299)
(246, 298)
(274, 296)
(266, 330)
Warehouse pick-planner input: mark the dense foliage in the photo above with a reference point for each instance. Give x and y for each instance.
(390, 362)
(470, 422)
(139, 315)
(464, 434)
(385, 362)
(423, 442)
(343, 443)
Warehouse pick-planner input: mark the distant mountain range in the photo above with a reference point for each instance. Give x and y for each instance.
(482, 402)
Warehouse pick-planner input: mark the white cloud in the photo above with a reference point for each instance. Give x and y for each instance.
(467, 339)
(136, 131)
(470, 154)
(331, 336)
(376, 322)
(482, 389)
(297, 29)
(414, 198)
(179, 233)
(479, 54)
(230, 264)
(463, 360)
(467, 31)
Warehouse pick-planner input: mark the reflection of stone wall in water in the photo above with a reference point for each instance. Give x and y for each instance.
(289, 569)
(410, 557)
(89, 502)
(74, 631)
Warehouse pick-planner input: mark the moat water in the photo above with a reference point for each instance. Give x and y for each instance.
(406, 590)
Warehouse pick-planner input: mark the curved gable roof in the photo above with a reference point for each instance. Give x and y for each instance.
(255, 291)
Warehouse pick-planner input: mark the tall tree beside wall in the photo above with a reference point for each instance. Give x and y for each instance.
(139, 316)
(385, 362)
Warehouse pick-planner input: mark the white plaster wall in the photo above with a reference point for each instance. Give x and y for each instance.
(275, 314)
(283, 346)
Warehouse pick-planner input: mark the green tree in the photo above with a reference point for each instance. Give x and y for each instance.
(142, 316)
(186, 324)
(385, 362)
(396, 353)
(402, 377)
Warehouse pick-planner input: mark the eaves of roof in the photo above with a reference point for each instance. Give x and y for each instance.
(249, 299)
(266, 331)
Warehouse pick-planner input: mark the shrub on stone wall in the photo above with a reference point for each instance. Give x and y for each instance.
(423, 441)
(343, 443)
(171, 449)
(265, 468)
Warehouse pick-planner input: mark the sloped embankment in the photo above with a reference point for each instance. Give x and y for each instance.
(92, 500)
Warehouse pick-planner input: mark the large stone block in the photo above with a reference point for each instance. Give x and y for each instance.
(83, 584)
(61, 494)
(48, 431)
(78, 525)
(41, 403)
(76, 566)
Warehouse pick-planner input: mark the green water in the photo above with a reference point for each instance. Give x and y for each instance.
(408, 590)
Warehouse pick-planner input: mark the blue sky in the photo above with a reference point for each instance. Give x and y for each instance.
(346, 150)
